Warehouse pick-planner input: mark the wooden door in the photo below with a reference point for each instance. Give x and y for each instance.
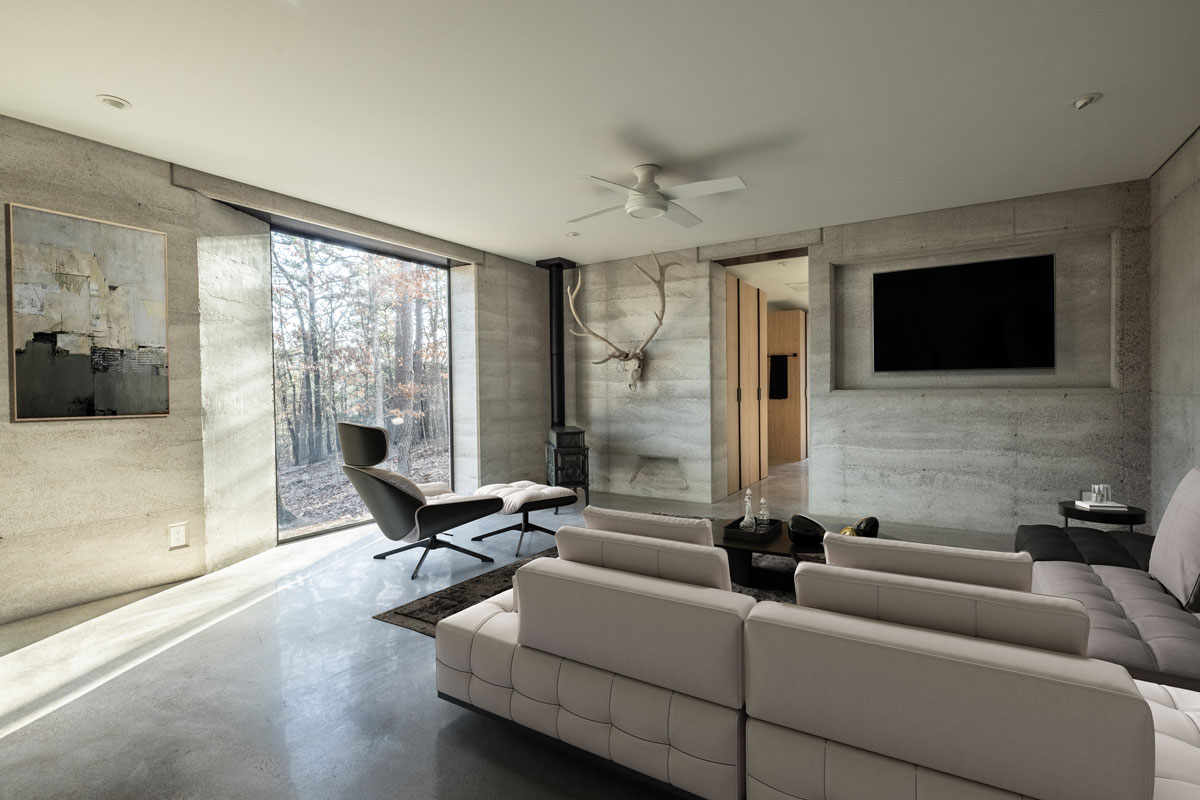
(732, 381)
(760, 343)
(748, 379)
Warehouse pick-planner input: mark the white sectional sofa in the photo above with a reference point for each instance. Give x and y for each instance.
(877, 685)
(627, 647)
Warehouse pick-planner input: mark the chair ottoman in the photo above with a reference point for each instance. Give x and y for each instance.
(522, 497)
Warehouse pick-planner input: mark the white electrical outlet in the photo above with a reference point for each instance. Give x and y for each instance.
(177, 535)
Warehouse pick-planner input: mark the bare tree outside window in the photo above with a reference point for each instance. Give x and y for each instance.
(359, 337)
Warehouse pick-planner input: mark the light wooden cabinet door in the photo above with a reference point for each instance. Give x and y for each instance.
(787, 435)
(746, 372)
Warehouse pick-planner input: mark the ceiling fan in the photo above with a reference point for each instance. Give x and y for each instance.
(646, 200)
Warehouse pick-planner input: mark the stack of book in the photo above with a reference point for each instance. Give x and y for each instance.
(1100, 505)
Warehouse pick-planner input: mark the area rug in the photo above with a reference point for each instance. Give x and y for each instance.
(423, 614)
(772, 574)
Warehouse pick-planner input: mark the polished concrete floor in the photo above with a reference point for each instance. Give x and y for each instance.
(269, 679)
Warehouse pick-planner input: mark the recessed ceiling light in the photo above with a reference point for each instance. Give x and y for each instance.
(1085, 100)
(113, 101)
(572, 234)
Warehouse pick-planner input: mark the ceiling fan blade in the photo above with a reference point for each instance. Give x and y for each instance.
(596, 213)
(681, 216)
(603, 184)
(703, 188)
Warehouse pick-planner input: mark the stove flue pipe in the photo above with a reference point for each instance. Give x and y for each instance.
(558, 388)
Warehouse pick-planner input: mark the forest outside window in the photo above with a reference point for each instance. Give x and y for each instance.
(359, 337)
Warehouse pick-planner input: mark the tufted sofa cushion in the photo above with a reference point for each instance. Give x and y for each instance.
(1176, 715)
(679, 529)
(527, 496)
(1086, 546)
(1134, 622)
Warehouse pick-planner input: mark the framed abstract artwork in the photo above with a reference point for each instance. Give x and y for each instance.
(87, 317)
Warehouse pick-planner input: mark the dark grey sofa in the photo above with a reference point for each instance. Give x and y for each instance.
(1142, 593)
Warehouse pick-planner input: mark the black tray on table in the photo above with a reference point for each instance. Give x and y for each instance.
(761, 533)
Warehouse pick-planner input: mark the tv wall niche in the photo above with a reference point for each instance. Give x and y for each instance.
(982, 315)
(1084, 287)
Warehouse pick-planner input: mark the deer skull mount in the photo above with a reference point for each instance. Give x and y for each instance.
(633, 358)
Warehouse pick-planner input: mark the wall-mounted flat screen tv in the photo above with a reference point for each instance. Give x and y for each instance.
(984, 315)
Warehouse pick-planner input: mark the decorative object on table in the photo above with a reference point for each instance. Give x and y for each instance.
(805, 531)
(761, 532)
(1111, 515)
(747, 523)
(1100, 497)
(1100, 505)
(88, 317)
(867, 527)
(633, 358)
(764, 516)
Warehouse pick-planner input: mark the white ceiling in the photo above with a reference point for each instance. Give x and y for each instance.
(785, 281)
(467, 119)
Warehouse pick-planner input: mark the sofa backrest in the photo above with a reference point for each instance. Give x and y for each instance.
(675, 635)
(658, 558)
(678, 529)
(1037, 723)
(1003, 615)
(1175, 558)
(980, 567)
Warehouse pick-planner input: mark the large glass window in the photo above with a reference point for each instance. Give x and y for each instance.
(359, 337)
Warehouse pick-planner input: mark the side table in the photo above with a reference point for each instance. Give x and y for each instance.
(1129, 516)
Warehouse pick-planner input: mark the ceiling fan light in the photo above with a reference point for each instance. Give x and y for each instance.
(646, 207)
(646, 213)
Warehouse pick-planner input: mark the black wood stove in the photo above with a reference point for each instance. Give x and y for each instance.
(566, 452)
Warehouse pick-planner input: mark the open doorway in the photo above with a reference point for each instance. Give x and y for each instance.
(783, 279)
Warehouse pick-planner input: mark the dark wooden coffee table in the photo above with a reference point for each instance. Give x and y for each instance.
(740, 551)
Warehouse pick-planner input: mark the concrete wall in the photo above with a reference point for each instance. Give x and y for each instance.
(464, 377)
(87, 502)
(1175, 328)
(500, 372)
(236, 391)
(986, 451)
(658, 441)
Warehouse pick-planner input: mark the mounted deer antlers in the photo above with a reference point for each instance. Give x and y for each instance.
(632, 359)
